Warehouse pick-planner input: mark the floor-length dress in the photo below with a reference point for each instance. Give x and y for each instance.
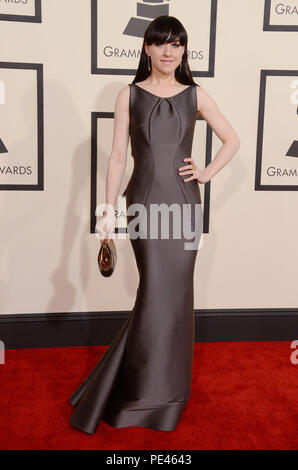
(144, 377)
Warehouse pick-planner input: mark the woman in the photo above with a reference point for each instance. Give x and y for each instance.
(144, 377)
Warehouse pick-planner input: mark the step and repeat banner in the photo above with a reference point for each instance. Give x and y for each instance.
(62, 63)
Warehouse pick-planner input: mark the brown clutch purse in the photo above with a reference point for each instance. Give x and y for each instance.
(107, 257)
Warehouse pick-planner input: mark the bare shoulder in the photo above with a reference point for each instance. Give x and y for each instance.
(211, 113)
(204, 100)
(123, 94)
(122, 100)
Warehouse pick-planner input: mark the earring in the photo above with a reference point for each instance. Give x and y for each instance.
(149, 68)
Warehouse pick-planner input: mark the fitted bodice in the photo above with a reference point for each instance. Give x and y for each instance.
(161, 130)
(162, 120)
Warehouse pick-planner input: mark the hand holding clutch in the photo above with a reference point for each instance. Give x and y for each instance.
(107, 257)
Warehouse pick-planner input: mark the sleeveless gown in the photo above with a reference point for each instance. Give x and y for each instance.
(144, 377)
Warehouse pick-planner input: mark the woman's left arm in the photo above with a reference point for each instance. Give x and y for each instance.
(209, 110)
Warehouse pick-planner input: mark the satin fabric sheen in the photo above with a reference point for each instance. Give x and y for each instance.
(144, 377)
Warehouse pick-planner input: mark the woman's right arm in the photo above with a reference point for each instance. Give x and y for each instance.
(118, 156)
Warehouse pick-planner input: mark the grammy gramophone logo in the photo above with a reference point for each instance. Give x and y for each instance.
(280, 16)
(293, 150)
(277, 144)
(116, 46)
(146, 12)
(21, 130)
(6, 168)
(3, 149)
(20, 10)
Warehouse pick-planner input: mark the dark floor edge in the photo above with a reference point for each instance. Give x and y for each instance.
(43, 330)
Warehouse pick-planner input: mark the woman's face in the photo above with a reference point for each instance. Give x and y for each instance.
(165, 57)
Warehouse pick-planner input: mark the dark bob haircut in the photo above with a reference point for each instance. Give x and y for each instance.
(161, 30)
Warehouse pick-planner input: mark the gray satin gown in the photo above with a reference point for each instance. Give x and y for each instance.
(144, 377)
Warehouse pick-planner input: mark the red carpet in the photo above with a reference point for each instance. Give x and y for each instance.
(244, 396)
